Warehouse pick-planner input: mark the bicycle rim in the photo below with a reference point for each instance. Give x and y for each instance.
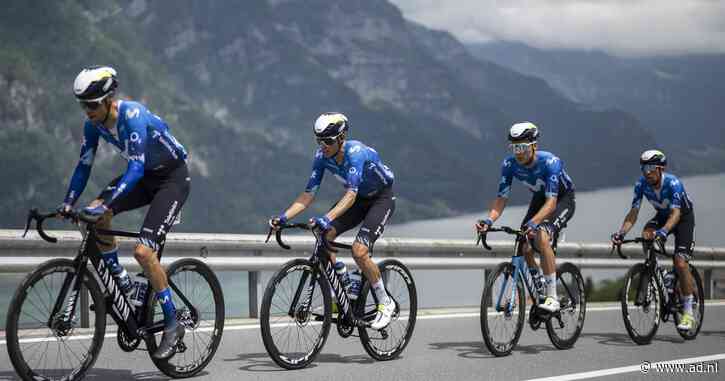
(389, 342)
(293, 340)
(502, 310)
(201, 288)
(640, 309)
(66, 352)
(564, 328)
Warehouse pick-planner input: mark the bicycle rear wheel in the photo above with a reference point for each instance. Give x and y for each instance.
(389, 342)
(293, 335)
(565, 326)
(698, 307)
(503, 310)
(62, 350)
(641, 302)
(197, 283)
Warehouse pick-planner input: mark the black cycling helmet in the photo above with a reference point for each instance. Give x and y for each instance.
(95, 83)
(653, 157)
(330, 124)
(523, 131)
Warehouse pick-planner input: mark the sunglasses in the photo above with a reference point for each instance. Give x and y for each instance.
(89, 106)
(520, 148)
(327, 141)
(649, 168)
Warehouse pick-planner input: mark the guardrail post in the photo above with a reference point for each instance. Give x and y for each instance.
(707, 284)
(84, 307)
(253, 291)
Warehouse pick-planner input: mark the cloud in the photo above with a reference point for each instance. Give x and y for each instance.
(620, 27)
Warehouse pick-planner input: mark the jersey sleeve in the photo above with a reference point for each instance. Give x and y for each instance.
(354, 174)
(678, 194)
(83, 168)
(318, 171)
(136, 123)
(638, 192)
(554, 169)
(504, 185)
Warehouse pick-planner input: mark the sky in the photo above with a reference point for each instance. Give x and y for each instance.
(627, 28)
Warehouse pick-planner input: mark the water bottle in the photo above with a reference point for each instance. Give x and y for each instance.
(669, 281)
(342, 274)
(355, 284)
(138, 292)
(538, 280)
(124, 281)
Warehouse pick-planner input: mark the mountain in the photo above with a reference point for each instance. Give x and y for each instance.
(240, 84)
(677, 99)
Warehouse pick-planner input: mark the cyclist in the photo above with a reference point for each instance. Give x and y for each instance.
(156, 175)
(675, 215)
(369, 199)
(552, 204)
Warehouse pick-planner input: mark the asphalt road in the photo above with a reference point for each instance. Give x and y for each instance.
(447, 345)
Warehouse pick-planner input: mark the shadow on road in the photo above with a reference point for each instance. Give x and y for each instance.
(623, 339)
(100, 374)
(478, 350)
(260, 362)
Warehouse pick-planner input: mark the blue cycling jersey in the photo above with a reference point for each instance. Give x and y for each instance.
(142, 138)
(361, 170)
(670, 195)
(546, 177)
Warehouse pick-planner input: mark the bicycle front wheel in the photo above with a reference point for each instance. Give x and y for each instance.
(204, 323)
(388, 343)
(641, 302)
(502, 310)
(296, 314)
(698, 306)
(565, 326)
(45, 347)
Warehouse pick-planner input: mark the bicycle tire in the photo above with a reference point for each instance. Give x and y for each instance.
(397, 288)
(202, 334)
(502, 348)
(20, 332)
(302, 320)
(568, 288)
(700, 307)
(629, 290)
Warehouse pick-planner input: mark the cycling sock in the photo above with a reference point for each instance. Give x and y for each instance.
(167, 305)
(688, 303)
(380, 292)
(551, 285)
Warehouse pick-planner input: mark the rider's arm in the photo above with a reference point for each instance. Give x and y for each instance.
(299, 204)
(83, 169)
(499, 204)
(673, 219)
(136, 123)
(545, 210)
(504, 190)
(343, 205)
(629, 220)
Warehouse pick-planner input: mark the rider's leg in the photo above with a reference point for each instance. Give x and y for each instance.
(684, 238)
(361, 255)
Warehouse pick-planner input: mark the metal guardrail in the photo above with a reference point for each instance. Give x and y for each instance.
(243, 252)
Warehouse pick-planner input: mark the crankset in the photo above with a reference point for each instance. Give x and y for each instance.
(534, 320)
(127, 344)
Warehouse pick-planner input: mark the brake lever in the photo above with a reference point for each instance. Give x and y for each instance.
(31, 216)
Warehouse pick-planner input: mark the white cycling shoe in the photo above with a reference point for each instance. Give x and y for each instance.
(384, 315)
(550, 304)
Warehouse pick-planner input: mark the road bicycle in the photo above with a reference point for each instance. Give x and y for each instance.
(646, 298)
(503, 303)
(49, 337)
(298, 308)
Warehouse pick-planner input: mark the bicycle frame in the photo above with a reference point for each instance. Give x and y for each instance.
(321, 264)
(121, 311)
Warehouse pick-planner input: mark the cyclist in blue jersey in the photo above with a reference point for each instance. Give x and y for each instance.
(156, 175)
(675, 215)
(368, 199)
(552, 204)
